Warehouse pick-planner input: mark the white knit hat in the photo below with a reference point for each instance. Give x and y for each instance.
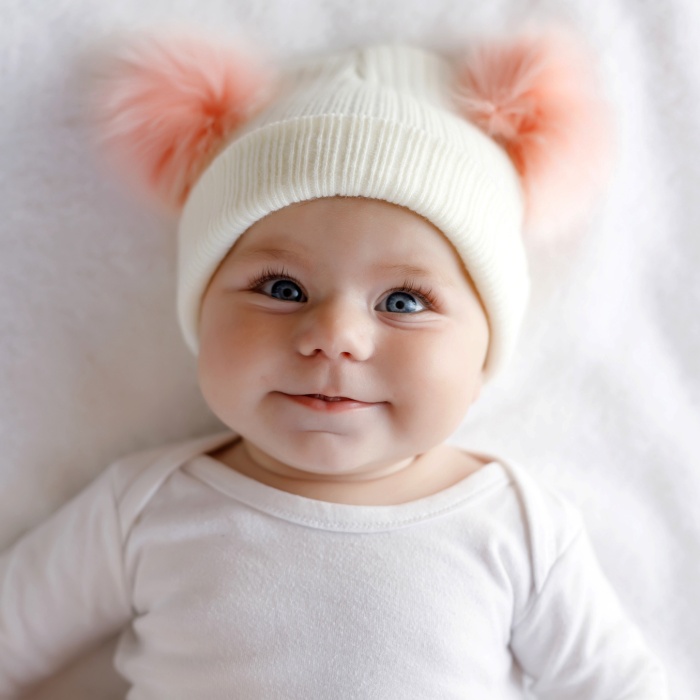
(390, 122)
(374, 122)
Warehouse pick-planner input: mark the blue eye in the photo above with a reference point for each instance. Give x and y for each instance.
(402, 303)
(283, 289)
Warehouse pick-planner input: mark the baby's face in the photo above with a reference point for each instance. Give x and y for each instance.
(341, 336)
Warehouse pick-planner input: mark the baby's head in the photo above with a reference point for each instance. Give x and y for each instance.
(342, 333)
(354, 228)
(379, 123)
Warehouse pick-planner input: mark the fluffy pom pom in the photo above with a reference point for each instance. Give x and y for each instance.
(165, 105)
(536, 96)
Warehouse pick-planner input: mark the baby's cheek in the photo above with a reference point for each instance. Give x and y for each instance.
(455, 377)
(436, 390)
(229, 337)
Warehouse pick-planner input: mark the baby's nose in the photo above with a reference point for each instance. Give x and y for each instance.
(336, 328)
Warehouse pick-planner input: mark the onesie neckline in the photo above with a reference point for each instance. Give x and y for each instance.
(343, 517)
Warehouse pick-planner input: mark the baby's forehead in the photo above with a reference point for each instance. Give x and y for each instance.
(335, 228)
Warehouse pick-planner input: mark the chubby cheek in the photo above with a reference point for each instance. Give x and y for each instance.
(232, 356)
(213, 384)
(438, 384)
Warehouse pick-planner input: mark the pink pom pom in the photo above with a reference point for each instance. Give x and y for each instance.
(535, 95)
(164, 107)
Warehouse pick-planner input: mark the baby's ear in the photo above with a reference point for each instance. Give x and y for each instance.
(164, 104)
(536, 95)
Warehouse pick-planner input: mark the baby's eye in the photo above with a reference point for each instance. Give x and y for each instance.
(283, 289)
(402, 303)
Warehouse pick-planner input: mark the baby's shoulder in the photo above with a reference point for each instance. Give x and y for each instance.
(136, 477)
(551, 520)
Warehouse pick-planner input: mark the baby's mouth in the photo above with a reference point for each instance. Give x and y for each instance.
(329, 404)
(323, 397)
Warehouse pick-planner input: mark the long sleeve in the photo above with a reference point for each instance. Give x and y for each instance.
(62, 588)
(575, 642)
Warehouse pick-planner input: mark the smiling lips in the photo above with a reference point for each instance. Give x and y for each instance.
(329, 398)
(327, 404)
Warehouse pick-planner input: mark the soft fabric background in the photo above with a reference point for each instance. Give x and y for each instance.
(603, 400)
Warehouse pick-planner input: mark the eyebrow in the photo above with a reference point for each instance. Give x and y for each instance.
(408, 270)
(302, 257)
(273, 253)
(415, 271)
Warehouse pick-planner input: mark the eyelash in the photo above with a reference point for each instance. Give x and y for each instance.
(268, 274)
(424, 294)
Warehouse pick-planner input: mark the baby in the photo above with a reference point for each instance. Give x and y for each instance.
(351, 272)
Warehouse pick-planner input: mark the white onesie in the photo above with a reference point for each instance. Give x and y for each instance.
(228, 588)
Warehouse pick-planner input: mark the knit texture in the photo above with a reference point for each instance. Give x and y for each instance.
(376, 122)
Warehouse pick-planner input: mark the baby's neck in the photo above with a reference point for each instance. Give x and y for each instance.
(428, 473)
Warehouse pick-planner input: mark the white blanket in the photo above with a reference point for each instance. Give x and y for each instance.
(603, 399)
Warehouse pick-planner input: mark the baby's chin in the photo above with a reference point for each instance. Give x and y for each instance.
(333, 462)
(350, 472)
